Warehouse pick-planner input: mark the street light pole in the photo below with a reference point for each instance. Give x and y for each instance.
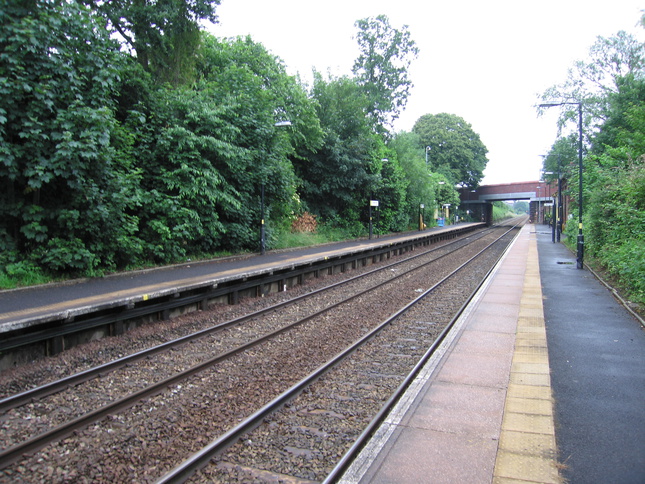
(560, 208)
(262, 229)
(279, 124)
(581, 239)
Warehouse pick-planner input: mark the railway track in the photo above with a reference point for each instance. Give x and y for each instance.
(246, 374)
(330, 413)
(34, 324)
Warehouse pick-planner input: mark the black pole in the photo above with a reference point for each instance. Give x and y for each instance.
(553, 220)
(581, 239)
(560, 211)
(370, 219)
(262, 234)
(378, 222)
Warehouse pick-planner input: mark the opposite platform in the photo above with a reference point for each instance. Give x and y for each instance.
(481, 409)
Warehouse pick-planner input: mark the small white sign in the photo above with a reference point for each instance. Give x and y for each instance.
(373, 203)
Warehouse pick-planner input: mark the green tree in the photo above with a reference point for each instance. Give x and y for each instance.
(521, 207)
(187, 192)
(562, 159)
(164, 34)
(65, 164)
(611, 61)
(381, 69)
(612, 90)
(338, 179)
(419, 189)
(614, 183)
(445, 192)
(454, 149)
(613, 220)
(390, 191)
(242, 75)
(206, 151)
(620, 126)
(422, 185)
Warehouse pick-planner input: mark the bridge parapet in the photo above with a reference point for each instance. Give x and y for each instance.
(531, 190)
(536, 192)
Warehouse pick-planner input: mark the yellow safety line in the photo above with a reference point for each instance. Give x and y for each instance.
(527, 448)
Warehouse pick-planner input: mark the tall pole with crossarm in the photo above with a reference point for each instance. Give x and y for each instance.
(581, 239)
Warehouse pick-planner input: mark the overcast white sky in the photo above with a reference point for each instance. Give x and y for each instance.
(485, 61)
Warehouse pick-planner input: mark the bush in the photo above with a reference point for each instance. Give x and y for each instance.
(613, 224)
(627, 263)
(23, 273)
(64, 255)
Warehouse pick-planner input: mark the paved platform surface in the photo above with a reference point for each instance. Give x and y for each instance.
(491, 407)
(597, 358)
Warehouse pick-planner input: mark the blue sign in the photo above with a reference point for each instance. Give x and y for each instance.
(440, 222)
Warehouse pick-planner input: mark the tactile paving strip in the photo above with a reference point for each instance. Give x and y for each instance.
(527, 449)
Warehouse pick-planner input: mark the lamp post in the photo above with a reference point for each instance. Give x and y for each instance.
(279, 124)
(560, 208)
(581, 240)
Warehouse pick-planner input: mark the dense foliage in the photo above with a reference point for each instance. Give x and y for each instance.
(64, 161)
(615, 190)
(338, 178)
(612, 91)
(453, 148)
(130, 136)
(163, 34)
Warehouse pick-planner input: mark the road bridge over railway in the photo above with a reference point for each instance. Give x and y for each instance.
(540, 195)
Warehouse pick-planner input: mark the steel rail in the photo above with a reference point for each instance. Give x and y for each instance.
(183, 471)
(45, 390)
(380, 417)
(120, 310)
(37, 442)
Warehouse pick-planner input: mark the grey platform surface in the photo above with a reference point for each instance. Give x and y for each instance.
(597, 358)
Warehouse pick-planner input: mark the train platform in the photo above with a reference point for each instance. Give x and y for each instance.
(543, 380)
(30, 306)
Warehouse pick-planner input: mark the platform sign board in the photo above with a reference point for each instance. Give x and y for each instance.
(440, 222)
